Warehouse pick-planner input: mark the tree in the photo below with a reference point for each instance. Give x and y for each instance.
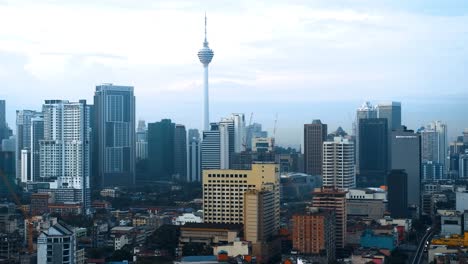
(120, 255)
(196, 249)
(166, 237)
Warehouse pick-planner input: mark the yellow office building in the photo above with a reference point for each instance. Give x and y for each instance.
(223, 191)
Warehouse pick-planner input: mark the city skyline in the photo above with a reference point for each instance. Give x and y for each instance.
(312, 51)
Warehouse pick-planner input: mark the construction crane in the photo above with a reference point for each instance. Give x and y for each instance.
(244, 140)
(26, 215)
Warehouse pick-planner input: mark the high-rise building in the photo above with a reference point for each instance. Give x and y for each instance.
(314, 136)
(463, 166)
(194, 156)
(239, 132)
(37, 134)
(227, 141)
(223, 191)
(23, 139)
(335, 200)
(114, 139)
(161, 149)
(406, 155)
(441, 129)
(211, 148)
(338, 164)
(180, 152)
(398, 193)
(7, 167)
(432, 171)
(392, 112)
(254, 131)
(141, 141)
(263, 144)
(205, 55)
(373, 151)
(65, 150)
(3, 125)
(314, 233)
(429, 145)
(367, 110)
(465, 137)
(2, 114)
(56, 245)
(261, 221)
(260, 207)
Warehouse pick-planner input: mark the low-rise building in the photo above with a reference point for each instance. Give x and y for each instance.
(56, 245)
(186, 218)
(209, 233)
(368, 208)
(381, 241)
(233, 249)
(451, 223)
(113, 193)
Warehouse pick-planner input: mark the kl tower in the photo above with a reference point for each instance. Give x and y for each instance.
(205, 55)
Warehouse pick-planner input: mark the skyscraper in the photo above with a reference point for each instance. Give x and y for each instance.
(227, 141)
(254, 131)
(3, 124)
(373, 151)
(338, 164)
(429, 145)
(114, 117)
(406, 155)
(37, 134)
(141, 141)
(239, 132)
(194, 156)
(441, 129)
(2, 114)
(205, 55)
(23, 140)
(463, 165)
(367, 110)
(333, 199)
(210, 148)
(180, 152)
(65, 149)
(161, 149)
(398, 190)
(392, 112)
(314, 136)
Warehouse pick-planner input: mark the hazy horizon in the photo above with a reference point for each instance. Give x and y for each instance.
(304, 60)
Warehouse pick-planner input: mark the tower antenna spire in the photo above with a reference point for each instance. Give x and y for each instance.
(205, 29)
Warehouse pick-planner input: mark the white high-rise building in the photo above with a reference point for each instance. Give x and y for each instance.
(441, 129)
(141, 141)
(65, 149)
(205, 55)
(338, 164)
(239, 132)
(434, 143)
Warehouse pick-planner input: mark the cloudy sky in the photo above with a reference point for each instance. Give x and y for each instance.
(302, 60)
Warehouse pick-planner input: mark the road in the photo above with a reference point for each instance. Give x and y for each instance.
(418, 256)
